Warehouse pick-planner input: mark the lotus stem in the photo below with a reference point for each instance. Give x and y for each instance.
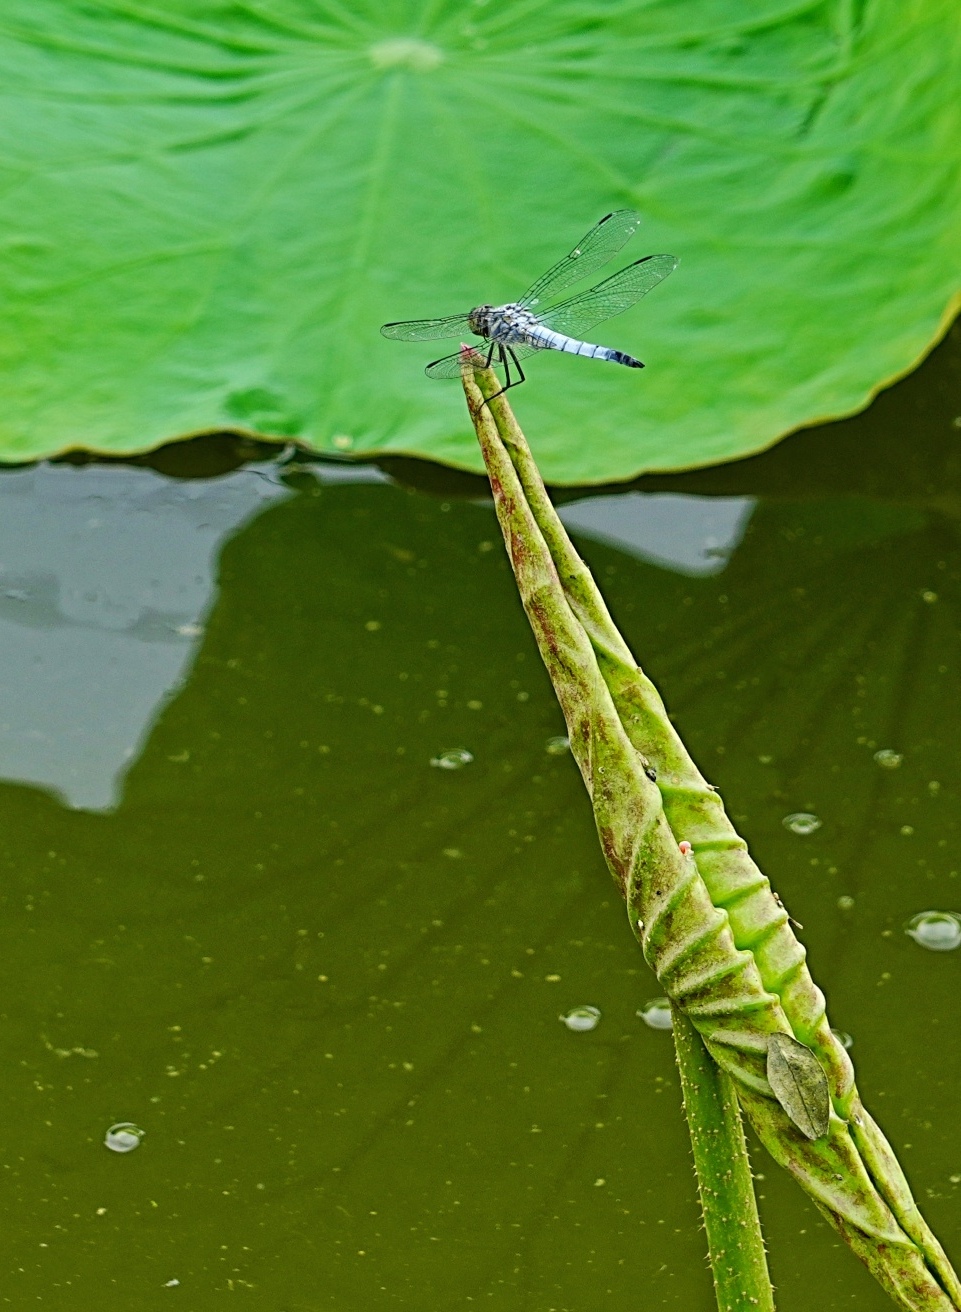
(724, 1181)
(716, 935)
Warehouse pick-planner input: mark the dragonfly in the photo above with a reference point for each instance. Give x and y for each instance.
(517, 330)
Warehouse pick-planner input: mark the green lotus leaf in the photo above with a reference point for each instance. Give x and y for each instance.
(208, 209)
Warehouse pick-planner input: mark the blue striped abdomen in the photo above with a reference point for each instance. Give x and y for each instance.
(571, 346)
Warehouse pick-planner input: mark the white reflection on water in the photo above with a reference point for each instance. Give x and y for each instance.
(687, 534)
(106, 576)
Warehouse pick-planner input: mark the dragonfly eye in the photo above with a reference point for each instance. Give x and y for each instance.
(477, 320)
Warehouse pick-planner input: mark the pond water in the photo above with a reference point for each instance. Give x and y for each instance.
(370, 1027)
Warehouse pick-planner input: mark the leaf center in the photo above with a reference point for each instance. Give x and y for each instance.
(406, 52)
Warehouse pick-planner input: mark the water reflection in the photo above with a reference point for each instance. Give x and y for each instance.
(690, 534)
(106, 576)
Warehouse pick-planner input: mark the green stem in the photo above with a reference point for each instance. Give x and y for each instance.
(724, 1181)
(705, 916)
(759, 924)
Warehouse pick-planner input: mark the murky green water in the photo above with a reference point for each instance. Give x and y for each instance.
(243, 911)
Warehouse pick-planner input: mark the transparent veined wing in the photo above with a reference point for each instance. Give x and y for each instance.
(593, 251)
(612, 296)
(449, 366)
(426, 330)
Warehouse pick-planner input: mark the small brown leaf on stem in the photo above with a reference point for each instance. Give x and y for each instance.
(799, 1084)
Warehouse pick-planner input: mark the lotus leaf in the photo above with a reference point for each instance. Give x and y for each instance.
(208, 208)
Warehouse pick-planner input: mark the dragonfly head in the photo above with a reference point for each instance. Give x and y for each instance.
(478, 321)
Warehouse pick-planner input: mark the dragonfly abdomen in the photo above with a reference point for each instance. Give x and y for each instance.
(572, 346)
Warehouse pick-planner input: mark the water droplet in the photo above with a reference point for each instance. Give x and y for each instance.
(123, 1137)
(940, 931)
(843, 1038)
(845, 902)
(888, 759)
(453, 759)
(580, 1020)
(656, 1014)
(801, 822)
(557, 746)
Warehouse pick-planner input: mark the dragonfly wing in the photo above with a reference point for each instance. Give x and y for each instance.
(601, 244)
(426, 330)
(449, 366)
(612, 296)
(523, 349)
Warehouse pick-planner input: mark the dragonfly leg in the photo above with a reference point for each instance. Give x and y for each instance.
(502, 359)
(517, 366)
(508, 381)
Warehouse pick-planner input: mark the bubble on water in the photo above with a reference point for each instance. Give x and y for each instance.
(845, 902)
(843, 1038)
(123, 1137)
(580, 1020)
(939, 931)
(801, 822)
(656, 1014)
(557, 746)
(888, 759)
(453, 759)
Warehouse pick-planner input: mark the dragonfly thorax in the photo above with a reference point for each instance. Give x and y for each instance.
(502, 323)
